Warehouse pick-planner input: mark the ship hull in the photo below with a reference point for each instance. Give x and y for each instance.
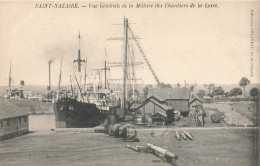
(70, 113)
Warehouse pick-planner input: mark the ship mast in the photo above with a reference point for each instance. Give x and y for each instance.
(72, 92)
(10, 80)
(85, 76)
(59, 78)
(125, 63)
(105, 72)
(79, 61)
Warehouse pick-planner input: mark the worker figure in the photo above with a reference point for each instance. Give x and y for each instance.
(203, 117)
(202, 114)
(190, 115)
(193, 116)
(196, 116)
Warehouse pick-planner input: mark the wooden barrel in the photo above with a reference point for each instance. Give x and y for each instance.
(128, 132)
(115, 130)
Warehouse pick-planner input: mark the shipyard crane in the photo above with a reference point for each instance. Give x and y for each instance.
(144, 56)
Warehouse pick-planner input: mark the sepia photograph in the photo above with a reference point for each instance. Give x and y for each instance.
(119, 83)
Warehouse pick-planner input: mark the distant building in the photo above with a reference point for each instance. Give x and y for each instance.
(13, 121)
(35, 98)
(208, 99)
(177, 98)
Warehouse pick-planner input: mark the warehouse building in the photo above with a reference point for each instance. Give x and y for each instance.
(153, 112)
(13, 121)
(177, 98)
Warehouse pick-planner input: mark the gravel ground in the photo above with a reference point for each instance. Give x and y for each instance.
(232, 116)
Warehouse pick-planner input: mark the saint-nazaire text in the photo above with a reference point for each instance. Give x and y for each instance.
(56, 5)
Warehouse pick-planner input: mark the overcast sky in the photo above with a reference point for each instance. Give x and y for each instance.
(197, 45)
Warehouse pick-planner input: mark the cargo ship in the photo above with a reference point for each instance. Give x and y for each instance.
(89, 110)
(89, 106)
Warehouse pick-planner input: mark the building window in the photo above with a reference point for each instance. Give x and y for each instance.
(8, 122)
(20, 120)
(14, 122)
(25, 119)
(2, 123)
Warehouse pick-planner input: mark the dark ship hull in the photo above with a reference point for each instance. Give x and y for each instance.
(70, 113)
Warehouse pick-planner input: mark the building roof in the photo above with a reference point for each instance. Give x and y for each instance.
(163, 106)
(156, 102)
(194, 99)
(169, 93)
(9, 110)
(159, 114)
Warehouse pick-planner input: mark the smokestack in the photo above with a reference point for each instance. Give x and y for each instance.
(21, 89)
(50, 61)
(49, 77)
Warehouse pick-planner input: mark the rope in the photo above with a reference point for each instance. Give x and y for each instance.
(160, 136)
(158, 140)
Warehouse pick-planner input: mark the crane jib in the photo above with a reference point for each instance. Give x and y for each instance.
(145, 58)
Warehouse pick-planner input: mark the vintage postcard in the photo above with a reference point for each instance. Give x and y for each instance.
(129, 83)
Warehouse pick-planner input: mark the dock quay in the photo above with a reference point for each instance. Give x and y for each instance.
(221, 146)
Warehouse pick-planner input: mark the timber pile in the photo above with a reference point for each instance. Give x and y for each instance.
(232, 117)
(184, 135)
(158, 151)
